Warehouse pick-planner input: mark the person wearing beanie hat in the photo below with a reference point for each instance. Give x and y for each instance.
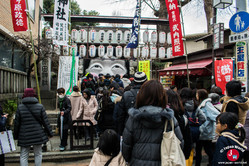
(140, 77)
(88, 83)
(31, 127)
(29, 92)
(128, 100)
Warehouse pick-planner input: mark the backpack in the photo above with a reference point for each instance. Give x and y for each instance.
(171, 152)
(131, 103)
(194, 126)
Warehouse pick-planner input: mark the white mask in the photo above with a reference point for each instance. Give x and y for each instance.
(61, 96)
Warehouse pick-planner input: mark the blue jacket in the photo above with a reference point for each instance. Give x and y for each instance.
(207, 129)
(225, 144)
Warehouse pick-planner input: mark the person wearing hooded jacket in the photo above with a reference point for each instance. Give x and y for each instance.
(207, 129)
(31, 127)
(143, 131)
(126, 80)
(128, 101)
(234, 102)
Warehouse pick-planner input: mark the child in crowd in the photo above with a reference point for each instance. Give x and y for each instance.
(108, 151)
(229, 147)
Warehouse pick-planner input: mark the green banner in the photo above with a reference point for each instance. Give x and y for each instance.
(73, 79)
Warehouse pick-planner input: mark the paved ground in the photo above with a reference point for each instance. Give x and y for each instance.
(75, 163)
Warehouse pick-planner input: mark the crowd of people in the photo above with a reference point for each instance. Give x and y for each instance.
(130, 116)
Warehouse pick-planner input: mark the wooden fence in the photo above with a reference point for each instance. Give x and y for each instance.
(12, 83)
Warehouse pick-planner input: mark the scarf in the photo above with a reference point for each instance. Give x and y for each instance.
(61, 102)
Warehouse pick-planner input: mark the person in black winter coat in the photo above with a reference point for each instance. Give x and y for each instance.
(3, 118)
(128, 100)
(106, 106)
(143, 131)
(175, 103)
(64, 105)
(31, 127)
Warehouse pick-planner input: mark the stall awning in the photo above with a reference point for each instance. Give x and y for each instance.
(195, 68)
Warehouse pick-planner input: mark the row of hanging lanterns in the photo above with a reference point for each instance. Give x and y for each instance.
(120, 51)
(101, 36)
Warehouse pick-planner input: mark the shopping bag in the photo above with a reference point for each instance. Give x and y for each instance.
(7, 143)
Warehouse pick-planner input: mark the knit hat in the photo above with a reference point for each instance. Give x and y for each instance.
(140, 77)
(29, 92)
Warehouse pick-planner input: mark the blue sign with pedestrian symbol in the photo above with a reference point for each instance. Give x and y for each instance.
(239, 22)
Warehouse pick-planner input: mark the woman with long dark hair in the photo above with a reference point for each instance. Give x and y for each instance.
(175, 103)
(105, 114)
(144, 128)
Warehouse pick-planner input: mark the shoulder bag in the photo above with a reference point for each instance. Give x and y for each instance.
(171, 152)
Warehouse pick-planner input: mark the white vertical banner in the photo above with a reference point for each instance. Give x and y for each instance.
(65, 65)
(60, 22)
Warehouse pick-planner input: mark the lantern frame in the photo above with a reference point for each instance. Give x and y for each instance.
(222, 4)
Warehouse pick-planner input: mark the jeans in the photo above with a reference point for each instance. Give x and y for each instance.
(24, 155)
(1, 159)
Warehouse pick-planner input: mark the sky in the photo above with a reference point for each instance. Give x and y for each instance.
(193, 17)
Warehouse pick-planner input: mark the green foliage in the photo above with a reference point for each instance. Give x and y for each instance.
(10, 107)
(158, 65)
(86, 13)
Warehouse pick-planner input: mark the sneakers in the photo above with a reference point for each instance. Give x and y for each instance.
(62, 148)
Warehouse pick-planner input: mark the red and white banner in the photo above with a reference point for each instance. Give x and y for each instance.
(175, 27)
(223, 73)
(19, 16)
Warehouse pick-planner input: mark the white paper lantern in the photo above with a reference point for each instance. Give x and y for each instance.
(74, 46)
(110, 35)
(169, 52)
(48, 33)
(82, 51)
(74, 35)
(101, 35)
(92, 51)
(145, 52)
(135, 54)
(127, 52)
(169, 38)
(161, 53)
(110, 51)
(153, 52)
(57, 49)
(119, 36)
(65, 50)
(145, 36)
(92, 36)
(119, 51)
(162, 37)
(101, 51)
(154, 37)
(127, 35)
(83, 35)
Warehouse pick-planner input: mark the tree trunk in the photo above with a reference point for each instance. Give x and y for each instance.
(208, 7)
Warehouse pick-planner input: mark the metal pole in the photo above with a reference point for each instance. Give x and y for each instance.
(34, 57)
(213, 51)
(185, 44)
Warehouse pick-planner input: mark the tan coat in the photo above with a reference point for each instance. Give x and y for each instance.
(77, 103)
(90, 109)
(99, 159)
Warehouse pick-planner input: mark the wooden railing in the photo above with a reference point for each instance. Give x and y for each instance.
(12, 82)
